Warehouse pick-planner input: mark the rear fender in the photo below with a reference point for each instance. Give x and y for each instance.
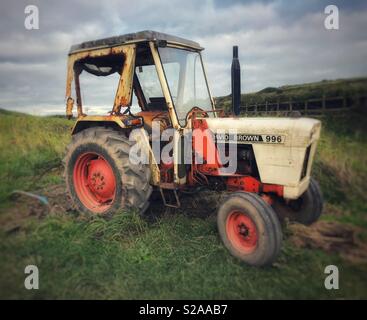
(97, 121)
(117, 122)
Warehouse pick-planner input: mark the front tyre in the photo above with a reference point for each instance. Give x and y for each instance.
(99, 177)
(306, 209)
(249, 229)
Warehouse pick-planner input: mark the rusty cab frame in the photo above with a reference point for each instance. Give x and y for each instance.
(125, 49)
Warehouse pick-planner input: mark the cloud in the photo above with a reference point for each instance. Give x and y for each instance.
(281, 42)
(302, 51)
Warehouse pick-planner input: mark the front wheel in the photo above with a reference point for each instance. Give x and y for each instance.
(249, 228)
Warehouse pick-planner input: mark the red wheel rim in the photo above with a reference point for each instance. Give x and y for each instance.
(94, 182)
(241, 232)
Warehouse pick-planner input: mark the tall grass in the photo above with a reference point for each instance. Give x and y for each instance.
(30, 148)
(341, 164)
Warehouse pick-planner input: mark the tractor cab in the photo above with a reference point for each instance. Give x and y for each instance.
(164, 73)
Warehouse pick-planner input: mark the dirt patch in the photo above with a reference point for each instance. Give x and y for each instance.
(331, 236)
(328, 236)
(58, 199)
(25, 206)
(200, 204)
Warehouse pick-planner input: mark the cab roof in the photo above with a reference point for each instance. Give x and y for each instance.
(142, 36)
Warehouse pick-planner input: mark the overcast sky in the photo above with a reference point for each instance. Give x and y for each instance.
(280, 42)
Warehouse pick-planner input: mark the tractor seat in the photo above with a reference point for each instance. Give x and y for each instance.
(150, 116)
(157, 104)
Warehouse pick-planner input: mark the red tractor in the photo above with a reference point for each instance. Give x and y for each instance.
(263, 163)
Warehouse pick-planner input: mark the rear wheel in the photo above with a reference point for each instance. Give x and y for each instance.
(99, 176)
(249, 228)
(306, 209)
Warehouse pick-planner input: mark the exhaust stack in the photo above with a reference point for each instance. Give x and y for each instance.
(236, 82)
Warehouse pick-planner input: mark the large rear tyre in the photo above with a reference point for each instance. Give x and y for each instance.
(100, 178)
(249, 229)
(306, 209)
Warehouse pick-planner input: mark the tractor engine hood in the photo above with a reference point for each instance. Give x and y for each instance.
(284, 148)
(288, 132)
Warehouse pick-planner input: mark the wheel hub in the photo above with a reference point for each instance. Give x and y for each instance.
(94, 182)
(242, 231)
(101, 180)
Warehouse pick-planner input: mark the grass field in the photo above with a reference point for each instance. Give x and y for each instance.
(176, 255)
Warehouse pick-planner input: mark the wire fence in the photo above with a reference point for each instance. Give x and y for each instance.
(308, 106)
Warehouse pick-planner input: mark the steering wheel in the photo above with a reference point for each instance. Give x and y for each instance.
(198, 110)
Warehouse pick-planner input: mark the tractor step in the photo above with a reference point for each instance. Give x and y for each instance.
(171, 191)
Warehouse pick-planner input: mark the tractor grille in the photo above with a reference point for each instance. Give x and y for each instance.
(305, 162)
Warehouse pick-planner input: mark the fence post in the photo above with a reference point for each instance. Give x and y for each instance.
(306, 106)
(357, 101)
(290, 104)
(344, 101)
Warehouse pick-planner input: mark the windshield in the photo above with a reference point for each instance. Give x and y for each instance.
(186, 80)
(149, 82)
